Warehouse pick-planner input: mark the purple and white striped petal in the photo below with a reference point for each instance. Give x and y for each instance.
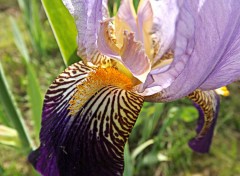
(55, 115)
(86, 140)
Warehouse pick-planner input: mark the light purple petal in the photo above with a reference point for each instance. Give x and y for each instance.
(144, 24)
(104, 42)
(164, 20)
(207, 43)
(87, 14)
(227, 69)
(126, 14)
(134, 58)
(131, 54)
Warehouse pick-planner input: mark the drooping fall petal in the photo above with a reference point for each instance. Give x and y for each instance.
(82, 136)
(206, 49)
(207, 104)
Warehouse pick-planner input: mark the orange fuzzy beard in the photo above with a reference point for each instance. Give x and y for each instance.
(99, 78)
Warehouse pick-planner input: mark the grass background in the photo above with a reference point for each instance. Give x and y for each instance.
(158, 143)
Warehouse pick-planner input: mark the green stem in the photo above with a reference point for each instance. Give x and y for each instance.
(9, 106)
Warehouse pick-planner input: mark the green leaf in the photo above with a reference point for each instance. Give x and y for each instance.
(128, 162)
(35, 27)
(8, 136)
(172, 115)
(141, 147)
(13, 113)
(33, 86)
(189, 114)
(21, 45)
(35, 98)
(3, 119)
(64, 29)
(153, 158)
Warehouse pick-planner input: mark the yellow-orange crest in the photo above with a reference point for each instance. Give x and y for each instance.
(96, 80)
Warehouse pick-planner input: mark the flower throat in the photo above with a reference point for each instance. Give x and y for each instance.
(96, 80)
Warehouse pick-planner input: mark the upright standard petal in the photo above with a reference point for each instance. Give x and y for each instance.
(127, 15)
(207, 44)
(131, 54)
(140, 24)
(163, 30)
(207, 103)
(144, 24)
(134, 57)
(87, 14)
(82, 136)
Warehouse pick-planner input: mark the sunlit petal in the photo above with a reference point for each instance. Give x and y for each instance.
(144, 24)
(107, 43)
(131, 54)
(206, 52)
(164, 20)
(134, 57)
(127, 14)
(87, 14)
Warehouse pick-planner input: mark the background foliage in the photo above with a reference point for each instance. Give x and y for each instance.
(32, 55)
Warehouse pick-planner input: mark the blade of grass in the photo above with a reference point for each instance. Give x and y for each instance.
(141, 147)
(19, 40)
(25, 8)
(128, 163)
(64, 29)
(36, 28)
(33, 86)
(35, 98)
(8, 136)
(3, 118)
(31, 10)
(13, 113)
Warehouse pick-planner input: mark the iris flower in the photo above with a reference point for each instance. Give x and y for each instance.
(167, 50)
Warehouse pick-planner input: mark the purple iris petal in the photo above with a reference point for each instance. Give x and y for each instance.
(84, 140)
(202, 142)
(87, 14)
(207, 47)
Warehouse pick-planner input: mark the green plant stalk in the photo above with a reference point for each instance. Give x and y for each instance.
(21, 45)
(35, 98)
(64, 29)
(140, 148)
(128, 162)
(36, 29)
(12, 111)
(3, 119)
(31, 14)
(33, 86)
(8, 136)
